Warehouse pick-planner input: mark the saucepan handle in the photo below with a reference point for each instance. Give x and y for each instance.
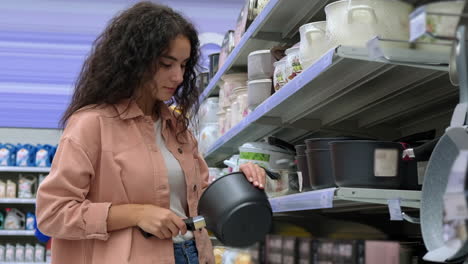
(192, 223)
(421, 153)
(272, 175)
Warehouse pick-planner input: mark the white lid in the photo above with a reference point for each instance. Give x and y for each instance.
(318, 24)
(290, 50)
(261, 81)
(259, 52)
(279, 62)
(240, 88)
(234, 76)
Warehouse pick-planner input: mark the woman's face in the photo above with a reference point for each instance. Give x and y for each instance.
(171, 69)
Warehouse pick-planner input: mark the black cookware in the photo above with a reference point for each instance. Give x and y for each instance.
(238, 213)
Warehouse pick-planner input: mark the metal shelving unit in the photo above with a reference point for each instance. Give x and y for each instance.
(352, 198)
(268, 29)
(350, 104)
(17, 201)
(16, 232)
(24, 169)
(24, 263)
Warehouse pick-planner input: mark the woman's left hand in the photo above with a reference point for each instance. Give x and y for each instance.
(254, 174)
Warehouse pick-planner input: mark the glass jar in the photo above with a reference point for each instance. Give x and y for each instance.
(293, 66)
(279, 76)
(242, 100)
(235, 111)
(221, 122)
(228, 123)
(208, 110)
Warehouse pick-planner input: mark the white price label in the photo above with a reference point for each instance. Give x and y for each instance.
(455, 206)
(394, 207)
(374, 50)
(417, 23)
(326, 198)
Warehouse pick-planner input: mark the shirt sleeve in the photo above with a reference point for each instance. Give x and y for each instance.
(62, 209)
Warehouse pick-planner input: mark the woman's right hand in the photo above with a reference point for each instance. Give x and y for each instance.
(161, 222)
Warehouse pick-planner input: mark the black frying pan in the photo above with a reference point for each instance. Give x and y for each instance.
(238, 213)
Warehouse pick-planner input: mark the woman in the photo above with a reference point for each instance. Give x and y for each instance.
(126, 161)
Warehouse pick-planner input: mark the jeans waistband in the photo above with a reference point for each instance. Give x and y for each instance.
(185, 244)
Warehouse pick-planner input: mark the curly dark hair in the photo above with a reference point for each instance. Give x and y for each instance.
(125, 57)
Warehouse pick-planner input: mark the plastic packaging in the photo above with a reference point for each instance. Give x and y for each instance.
(7, 154)
(44, 155)
(30, 221)
(279, 77)
(2, 253)
(10, 253)
(10, 189)
(27, 185)
(2, 221)
(25, 155)
(2, 189)
(39, 253)
(14, 219)
(19, 253)
(29, 253)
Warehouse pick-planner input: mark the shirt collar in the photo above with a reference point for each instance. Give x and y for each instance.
(128, 109)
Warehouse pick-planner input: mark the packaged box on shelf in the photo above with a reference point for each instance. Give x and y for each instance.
(289, 251)
(273, 249)
(27, 186)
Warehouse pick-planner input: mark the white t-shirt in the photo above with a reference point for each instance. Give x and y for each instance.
(177, 185)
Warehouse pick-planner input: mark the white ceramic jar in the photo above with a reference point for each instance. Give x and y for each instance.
(260, 65)
(232, 81)
(355, 22)
(208, 110)
(293, 65)
(258, 91)
(314, 42)
(279, 76)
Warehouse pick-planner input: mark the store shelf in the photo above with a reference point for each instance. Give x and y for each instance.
(354, 198)
(24, 263)
(17, 201)
(16, 232)
(269, 29)
(24, 169)
(278, 22)
(343, 95)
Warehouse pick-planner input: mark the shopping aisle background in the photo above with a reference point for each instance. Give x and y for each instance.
(43, 45)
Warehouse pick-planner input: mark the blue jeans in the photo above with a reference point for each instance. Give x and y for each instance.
(186, 252)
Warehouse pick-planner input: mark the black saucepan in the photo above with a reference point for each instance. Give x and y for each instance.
(238, 213)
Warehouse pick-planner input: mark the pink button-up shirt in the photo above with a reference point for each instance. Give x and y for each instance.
(108, 156)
